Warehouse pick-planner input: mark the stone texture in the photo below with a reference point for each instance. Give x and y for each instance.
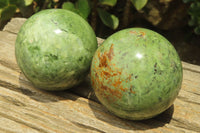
(54, 49)
(136, 73)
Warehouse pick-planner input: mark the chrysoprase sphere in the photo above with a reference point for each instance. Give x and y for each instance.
(136, 73)
(54, 49)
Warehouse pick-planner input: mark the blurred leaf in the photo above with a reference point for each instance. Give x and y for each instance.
(21, 3)
(186, 1)
(197, 30)
(195, 9)
(108, 2)
(27, 2)
(26, 11)
(14, 2)
(108, 19)
(194, 12)
(7, 12)
(3, 3)
(69, 6)
(192, 22)
(139, 4)
(83, 7)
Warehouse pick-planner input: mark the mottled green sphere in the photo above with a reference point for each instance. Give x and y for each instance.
(136, 73)
(54, 49)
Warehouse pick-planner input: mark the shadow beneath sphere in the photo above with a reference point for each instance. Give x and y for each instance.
(28, 89)
(102, 114)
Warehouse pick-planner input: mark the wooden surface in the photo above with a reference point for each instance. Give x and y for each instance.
(25, 109)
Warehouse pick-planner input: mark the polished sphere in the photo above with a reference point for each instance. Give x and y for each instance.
(136, 73)
(54, 49)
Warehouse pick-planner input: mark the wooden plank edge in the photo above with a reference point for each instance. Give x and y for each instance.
(11, 82)
(191, 67)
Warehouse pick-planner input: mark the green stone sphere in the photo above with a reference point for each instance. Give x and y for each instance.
(136, 73)
(54, 49)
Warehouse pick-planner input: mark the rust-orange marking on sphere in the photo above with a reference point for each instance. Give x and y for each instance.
(142, 33)
(108, 71)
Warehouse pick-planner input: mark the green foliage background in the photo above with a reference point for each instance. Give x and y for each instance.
(82, 7)
(90, 10)
(194, 12)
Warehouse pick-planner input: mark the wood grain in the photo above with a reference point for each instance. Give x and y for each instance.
(24, 108)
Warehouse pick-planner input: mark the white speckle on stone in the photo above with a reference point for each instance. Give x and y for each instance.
(139, 56)
(57, 31)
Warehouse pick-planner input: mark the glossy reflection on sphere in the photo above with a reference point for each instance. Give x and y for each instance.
(136, 73)
(54, 49)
